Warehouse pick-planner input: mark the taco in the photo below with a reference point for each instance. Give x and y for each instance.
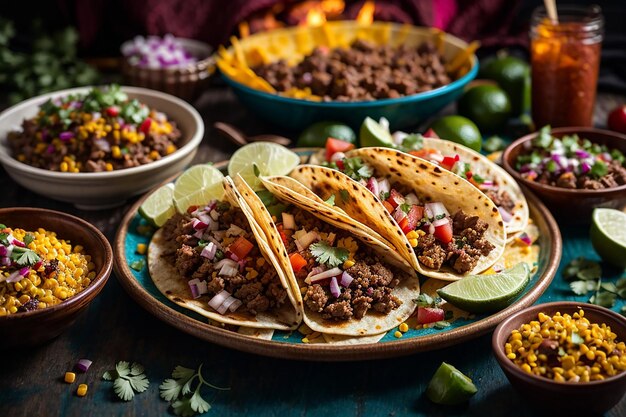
(348, 284)
(440, 223)
(485, 175)
(215, 261)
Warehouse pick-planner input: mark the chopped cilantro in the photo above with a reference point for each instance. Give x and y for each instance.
(406, 208)
(577, 339)
(425, 300)
(329, 255)
(138, 264)
(2, 226)
(552, 166)
(28, 238)
(441, 324)
(412, 142)
(267, 198)
(494, 144)
(618, 156)
(219, 255)
(582, 269)
(277, 209)
(356, 169)
(384, 195)
(345, 195)
(24, 256)
(440, 216)
(599, 169)
(3, 238)
(544, 138)
(330, 200)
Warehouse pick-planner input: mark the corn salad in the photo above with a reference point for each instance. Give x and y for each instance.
(567, 348)
(56, 271)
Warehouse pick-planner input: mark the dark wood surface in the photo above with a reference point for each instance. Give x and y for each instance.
(115, 328)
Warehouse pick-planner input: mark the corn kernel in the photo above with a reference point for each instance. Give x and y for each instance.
(82, 390)
(403, 327)
(398, 334)
(116, 152)
(141, 248)
(70, 377)
(348, 264)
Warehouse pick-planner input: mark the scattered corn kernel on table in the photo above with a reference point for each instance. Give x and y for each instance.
(114, 328)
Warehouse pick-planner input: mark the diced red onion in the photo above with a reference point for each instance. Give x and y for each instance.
(198, 234)
(525, 168)
(83, 365)
(227, 303)
(204, 217)
(232, 256)
(323, 275)
(50, 149)
(398, 214)
(18, 243)
(242, 264)
(199, 225)
(441, 222)
(102, 144)
(316, 270)
(214, 215)
(584, 168)
(384, 186)
(334, 287)
(209, 251)
(218, 299)
(289, 221)
(223, 262)
(5, 261)
(3, 250)
(202, 287)
(337, 156)
(431, 229)
(525, 238)
(411, 199)
(372, 185)
(370, 291)
(433, 210)
(398, 137)
(305, 240)
(506, 216)
(581, 153)
(436, 157)
(229, 270)
(235, 305)
(209, 206)
(24, 271)
(606, 156)
(65, 136)
(497, 267)
(346, 279)
(14, 277)
(194, 290)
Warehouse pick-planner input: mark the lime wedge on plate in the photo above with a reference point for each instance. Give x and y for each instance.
(608, 235)
(450, 386)
(484, 293)
(159, 205)
(373, 133)
(269, 159)
(198, 185)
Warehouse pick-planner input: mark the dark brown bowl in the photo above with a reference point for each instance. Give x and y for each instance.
(562, 398)
(38, 326)
(572, 206)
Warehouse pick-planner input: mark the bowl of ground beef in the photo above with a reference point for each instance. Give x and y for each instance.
(572, 169)
(97, 146)
(346, 72)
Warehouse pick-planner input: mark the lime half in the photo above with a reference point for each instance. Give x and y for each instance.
(373, 133)
(268, 158)
(484, 293)
(316, 134)
(608, 235)
(159, 205)
(450, 386)
(197, 186)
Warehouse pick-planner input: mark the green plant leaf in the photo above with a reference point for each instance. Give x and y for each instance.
(170, 389)
(197, 403)
(123, 389)
(182, 407)
(582, 287)
(122, 368)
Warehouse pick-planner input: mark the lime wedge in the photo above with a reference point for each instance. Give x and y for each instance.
(159, 205)
(268, 158)
(484, 293)
(374, 134)
(608, 235)
(198, 185)
(450, 386)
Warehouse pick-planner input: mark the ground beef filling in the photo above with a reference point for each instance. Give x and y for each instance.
(364, 71)
(462, 254)
(501, 199)
(615, 176)
(256, 285)
(371, 289)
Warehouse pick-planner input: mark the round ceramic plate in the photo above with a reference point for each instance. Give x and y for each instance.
(132, 272)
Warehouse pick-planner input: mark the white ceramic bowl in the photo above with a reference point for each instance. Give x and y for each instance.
(98, 190)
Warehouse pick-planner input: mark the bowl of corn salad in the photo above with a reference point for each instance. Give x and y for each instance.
(52, 265)
(97, 146)
(565, 356)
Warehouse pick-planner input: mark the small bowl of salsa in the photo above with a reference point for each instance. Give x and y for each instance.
(572, 169)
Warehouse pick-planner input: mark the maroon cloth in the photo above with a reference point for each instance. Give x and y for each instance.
(214, 21)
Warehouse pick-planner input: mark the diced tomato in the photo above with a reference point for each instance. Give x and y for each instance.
(423, 153)
(449, 161)
(241, 247)
(395, 198)
(191, 209)
(282, 234)
(468, 175)
(414, 216)
(145, 125)
(388, 206)
(297, 261)
(404, 225)
(335, 145)
(112, 111)
(430, 134)
(340, 165)
(427, 315)
(444, 233)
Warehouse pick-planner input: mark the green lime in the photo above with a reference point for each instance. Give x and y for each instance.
(159, 206)
(316, 134)
(260, 159)
(511, 74)
(458, 129)
(373, 133)
(198, 185)
(487, 105)
(608, 235)
(450, 386)
(485, 293)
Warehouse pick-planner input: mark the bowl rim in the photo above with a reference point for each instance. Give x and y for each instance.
(196, 137)
(508, 365)
(92, 289)
(209, 58)
(581, 130)
(458, 83)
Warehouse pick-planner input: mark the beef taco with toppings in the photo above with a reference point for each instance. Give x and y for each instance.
(444, 226)
(216, 261)
(349, 284)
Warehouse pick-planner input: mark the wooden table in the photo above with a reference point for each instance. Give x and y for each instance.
(115, 328)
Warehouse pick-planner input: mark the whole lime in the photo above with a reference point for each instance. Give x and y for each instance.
(512, 75)
(458, 129)
(316, 134)
(487, 105)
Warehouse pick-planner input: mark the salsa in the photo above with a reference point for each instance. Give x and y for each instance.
(571, 162)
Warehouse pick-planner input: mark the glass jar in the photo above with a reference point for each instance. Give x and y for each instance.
(565, 59)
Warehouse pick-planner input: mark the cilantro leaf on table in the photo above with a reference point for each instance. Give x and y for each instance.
(176, 391)
(329, 255)
(127, 379)
(603, 299)
(582, 287)
(583, 269)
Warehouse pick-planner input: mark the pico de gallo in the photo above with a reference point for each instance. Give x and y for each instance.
(571, 162)
(214, 249)
(438, 237)
(102, 130)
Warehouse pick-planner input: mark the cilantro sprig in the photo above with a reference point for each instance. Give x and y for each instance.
(127, 379)
(585, 276)
(329, 255)
(182, 396)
